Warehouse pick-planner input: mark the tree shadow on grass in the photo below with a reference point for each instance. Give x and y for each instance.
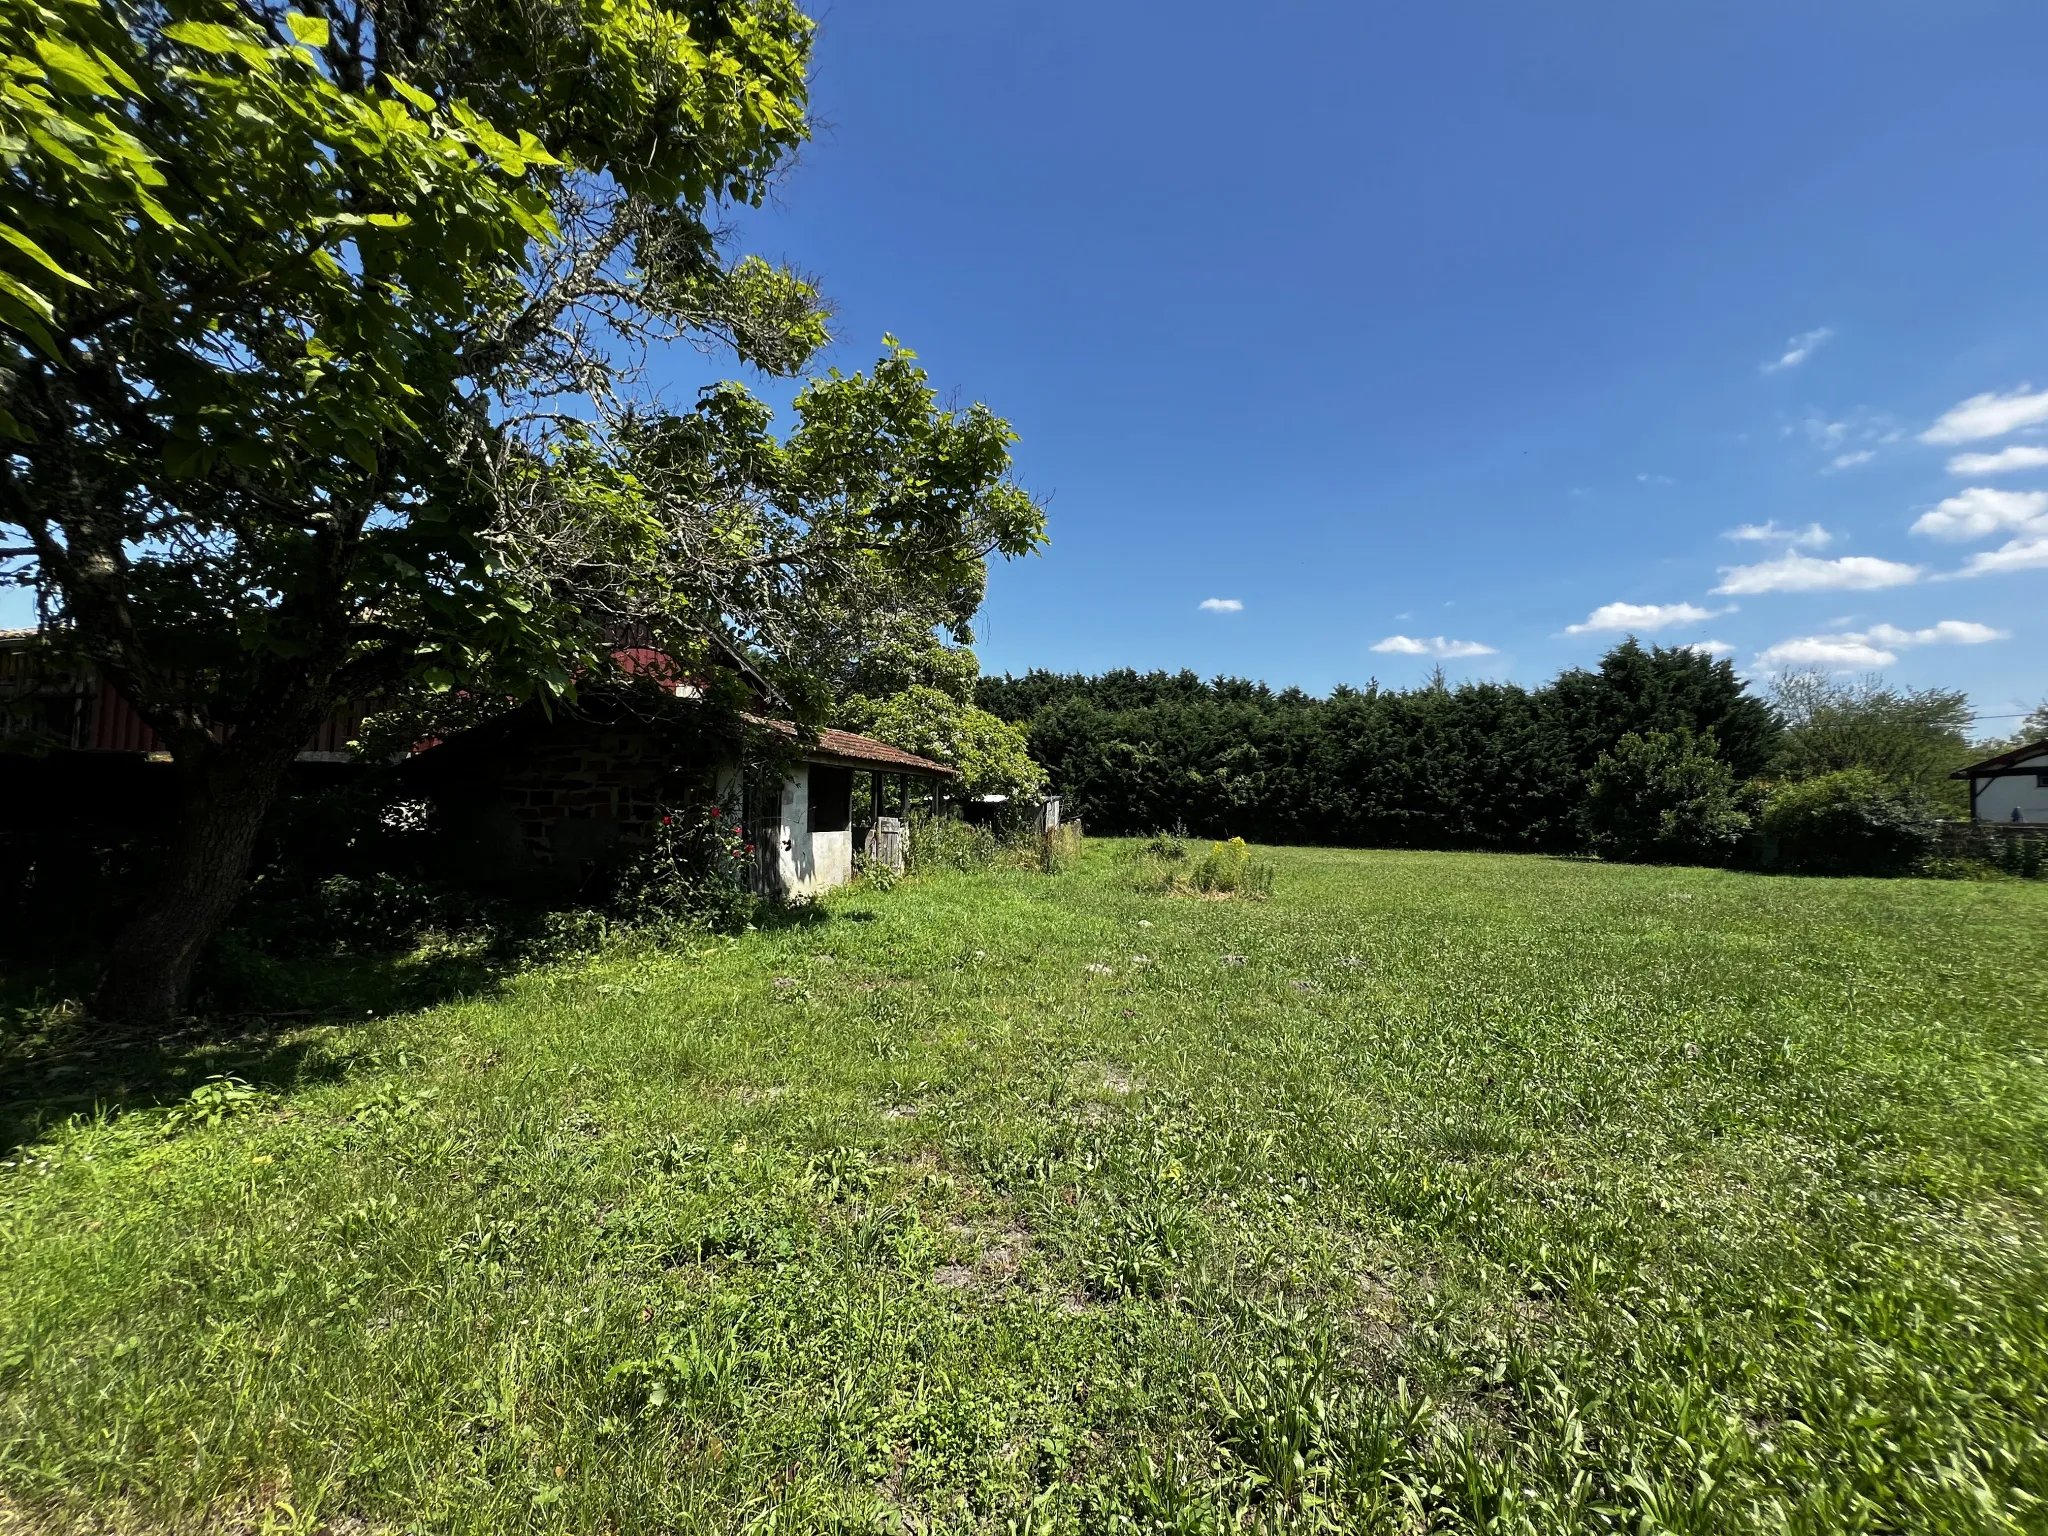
(271, 1023)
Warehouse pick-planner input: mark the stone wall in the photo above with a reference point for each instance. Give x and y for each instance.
(575, 801)
(559, 807)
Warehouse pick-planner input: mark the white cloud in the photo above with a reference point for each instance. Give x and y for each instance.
(1825, 651)
(1799, 349)
(1988, 415)
(1437, 646)
(1221, 605)
(2004, 462)
(1710, 647)
(1803, 573)
(2026, 554)
(1874, 647)
(1613, 618)
(1851, 460)
(1981, 511)
(1946, 632)
(1812, 536)
(1648, 479)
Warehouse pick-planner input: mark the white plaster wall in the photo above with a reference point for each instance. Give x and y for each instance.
(1996, 798)
(798, 861)
(793, 838)
(831, 859)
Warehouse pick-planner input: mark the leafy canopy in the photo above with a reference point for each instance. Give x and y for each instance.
(1911, 738)
(319, 337)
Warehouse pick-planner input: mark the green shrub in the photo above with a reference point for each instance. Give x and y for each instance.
(1664, 798)
(1848, 823)
(2020, 856)
(692, 871)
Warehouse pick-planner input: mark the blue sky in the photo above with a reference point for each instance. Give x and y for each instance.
(1466, 320)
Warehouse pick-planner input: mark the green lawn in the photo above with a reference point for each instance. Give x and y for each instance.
(1481, 1193)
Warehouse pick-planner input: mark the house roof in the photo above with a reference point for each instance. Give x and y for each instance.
(846, 750)
(1991, 765)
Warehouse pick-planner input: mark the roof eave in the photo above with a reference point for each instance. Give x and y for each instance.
(2002, 760)
(923, 768)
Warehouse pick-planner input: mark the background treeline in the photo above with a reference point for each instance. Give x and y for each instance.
(1591, 761)
(1482, 765)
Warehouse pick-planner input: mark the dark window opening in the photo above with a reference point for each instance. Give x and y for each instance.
(831, 799)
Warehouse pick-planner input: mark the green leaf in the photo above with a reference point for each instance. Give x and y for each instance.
(311, 31)
(206, 36)
(419, 99)
(75, 65)
(21, 242)
(22, 294)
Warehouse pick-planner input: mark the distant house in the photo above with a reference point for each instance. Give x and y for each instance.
(2011, 787)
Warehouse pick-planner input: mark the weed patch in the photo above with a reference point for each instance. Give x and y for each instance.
(1166, 865)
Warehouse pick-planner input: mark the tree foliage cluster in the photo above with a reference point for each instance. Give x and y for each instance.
(991, 753)
(1482, 765)
(1909, 738)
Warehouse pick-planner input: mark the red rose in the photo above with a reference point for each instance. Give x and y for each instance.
(750, 847)
(714, 811)
(666, 820)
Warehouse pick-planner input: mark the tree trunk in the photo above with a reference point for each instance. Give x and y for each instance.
(221, 802)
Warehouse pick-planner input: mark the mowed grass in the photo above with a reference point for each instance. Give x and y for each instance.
(1439, 1192)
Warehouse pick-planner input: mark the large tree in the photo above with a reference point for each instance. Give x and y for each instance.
(321, 346)
(1912, 738)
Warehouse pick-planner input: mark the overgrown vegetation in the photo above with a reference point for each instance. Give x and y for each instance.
(1436, 1192)
(1850, 822)
(692, 872)
(1168, 865)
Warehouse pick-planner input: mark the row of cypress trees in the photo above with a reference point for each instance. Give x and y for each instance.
(1480, 765)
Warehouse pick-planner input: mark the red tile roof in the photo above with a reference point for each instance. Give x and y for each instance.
(848, 750)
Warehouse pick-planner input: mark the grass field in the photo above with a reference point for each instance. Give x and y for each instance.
(1439, 1192)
